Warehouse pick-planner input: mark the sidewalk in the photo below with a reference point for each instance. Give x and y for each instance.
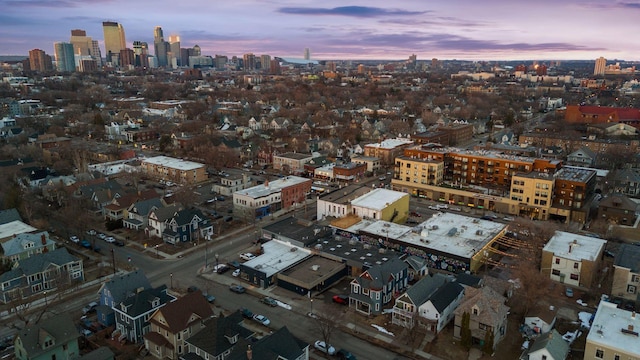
(300, 305)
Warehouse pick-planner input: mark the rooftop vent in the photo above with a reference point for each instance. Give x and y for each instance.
(452, 232)
(315, 267)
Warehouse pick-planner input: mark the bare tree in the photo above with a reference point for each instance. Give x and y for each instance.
(326, 323)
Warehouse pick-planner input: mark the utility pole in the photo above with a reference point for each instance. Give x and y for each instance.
(113, 257)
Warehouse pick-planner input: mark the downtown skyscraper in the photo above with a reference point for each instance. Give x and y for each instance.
(65, 61)
(114, 40)
(160, 47)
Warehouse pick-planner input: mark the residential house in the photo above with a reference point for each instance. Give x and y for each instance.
(40, 273)
(548, 346)
(159, 217)
(187, 225)
(175, 322)
(138, 213)
(627, 181)
(116, 290)
(572, 259)
(407, 305)
(133, 313)
(417, 267)
(582, 157)
(279, 124)
(52, 338)
(487, 312)
(541, 319)
(618, 209)
(118, 208)
(280, 344)
(219, 336)
(9, 215)
(22, 246)
(613, 334)
(377, 286)
(626, 273)
(437, 310)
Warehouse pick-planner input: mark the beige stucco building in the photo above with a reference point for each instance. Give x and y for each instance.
(572, 259)
(172, 169)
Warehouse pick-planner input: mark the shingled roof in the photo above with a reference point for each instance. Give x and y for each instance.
(59, 328)
(279, 345)
(184, 311)
(213, 339)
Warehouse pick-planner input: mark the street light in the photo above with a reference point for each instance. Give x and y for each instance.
(46, 302)
(311, 302)
(171, 276)
(157, 251)
(217, 257)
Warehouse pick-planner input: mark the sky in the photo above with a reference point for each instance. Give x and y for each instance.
(343, 29)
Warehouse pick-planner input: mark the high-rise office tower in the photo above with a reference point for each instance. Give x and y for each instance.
(265, 63)
(160, 47)
(64, 57)
(96, 53)
(114, 39)
(82, 44)
(601, 65)
(39, 60)
(174, 50)
(141, 54)
(196, 50)
(184, 57)
(249, 61)
(127, 58)
(307, 54)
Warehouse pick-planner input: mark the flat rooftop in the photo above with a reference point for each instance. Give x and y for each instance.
(271, 187)
(378, 199)
(278, 255)
(391, 143)
(313, 268)
(607, 326)
(575, 174)
(356, 253)
(449, 233)
(536, 175)
(574, 247)
(301, 230)
(14, 228)
(599, 172)
(480, 153)
(423, 160)
(295, 156)
(173, 163)
(345, 194)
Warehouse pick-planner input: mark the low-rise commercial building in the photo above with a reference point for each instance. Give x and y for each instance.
(176, 170)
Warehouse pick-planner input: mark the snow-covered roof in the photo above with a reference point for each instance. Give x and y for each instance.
(574, 247)
(173, 163)
(391, 143)
(14, 228)
(277, 255)
(271, 187)
(608, 329)
(378, 199)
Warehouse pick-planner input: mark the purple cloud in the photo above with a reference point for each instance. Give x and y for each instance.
(47, 3)
(353, 11)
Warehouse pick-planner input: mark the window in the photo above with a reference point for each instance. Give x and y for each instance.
(635, 278)
(555, 272)
(616, 357)
(575, 277)
(576, 265)
(599, 354)
(631, 289)
(557, 260)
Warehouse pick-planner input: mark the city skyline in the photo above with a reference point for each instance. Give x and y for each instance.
(466, 30)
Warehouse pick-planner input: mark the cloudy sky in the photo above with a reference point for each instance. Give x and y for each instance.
(343, 29)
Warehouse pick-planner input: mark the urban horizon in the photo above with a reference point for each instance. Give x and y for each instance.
(497, 31)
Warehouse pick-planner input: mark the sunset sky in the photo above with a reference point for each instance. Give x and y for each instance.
(373, 29)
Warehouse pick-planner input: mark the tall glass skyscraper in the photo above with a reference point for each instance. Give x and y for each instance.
(64, 57)
(114, 40)
(160, 47)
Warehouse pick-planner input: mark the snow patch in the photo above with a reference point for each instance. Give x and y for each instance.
(570, 337)
(585, 319)
(382, 330)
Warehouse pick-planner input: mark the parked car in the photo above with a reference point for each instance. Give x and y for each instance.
(210, 298)
(91, 232)
(110, 239)
(221, 268)
(508, 218)
(320, 345)
(312, 315)
(568, 292)
(85, 244)
(341, 299)
(74, 239)
(246, 313)
(228, 218)
(247, 256)
(220, 198)
(433, 207)
(238, 289)
(269, 301)
(234, 264)
(262, 319)
(455, 208)
(118, 243)
(102, 236)
(236, 273)
(89, 308)
(343, 354)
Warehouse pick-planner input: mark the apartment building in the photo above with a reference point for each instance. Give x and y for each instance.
(572, 259)
(613, 334)
(291, 163)
(626, 273)
(573, 190)
(534, 193)
(177, 170)
(410, 173)
(387, 150)
(262, 200)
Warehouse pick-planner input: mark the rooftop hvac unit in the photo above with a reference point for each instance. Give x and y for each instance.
(293, 249)
(478, 232)
(315, 267)
(452, 232)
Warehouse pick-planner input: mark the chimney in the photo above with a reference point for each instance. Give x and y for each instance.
(633, 315)
(630, 327)
(266, 183)
(249, 353)
(43, 239)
